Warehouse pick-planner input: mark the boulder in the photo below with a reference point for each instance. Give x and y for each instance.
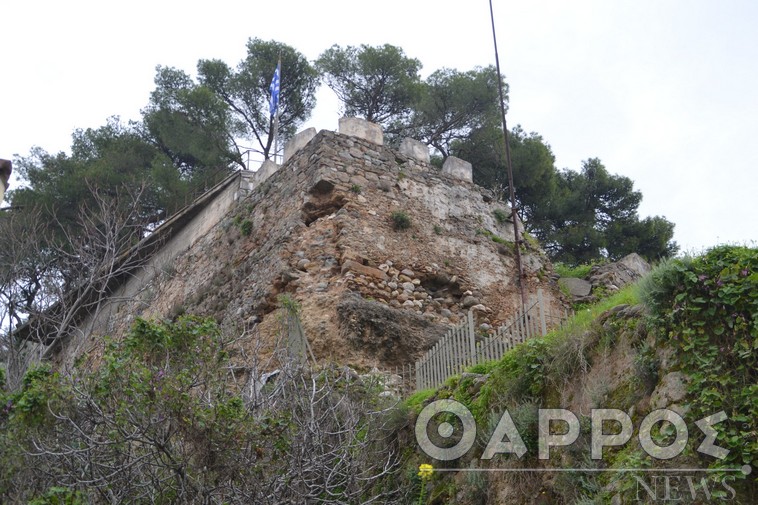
(575, 286)
(613, 276)
(358, 268)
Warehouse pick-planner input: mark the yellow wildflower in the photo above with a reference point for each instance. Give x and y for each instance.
(425, 471)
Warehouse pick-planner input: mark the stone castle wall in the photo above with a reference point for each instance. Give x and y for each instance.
(320, 229)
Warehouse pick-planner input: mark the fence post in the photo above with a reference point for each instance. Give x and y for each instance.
(542, 312)
(420, 383)
(471, 336)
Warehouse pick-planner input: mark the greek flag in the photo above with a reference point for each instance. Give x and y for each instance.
(274, 88)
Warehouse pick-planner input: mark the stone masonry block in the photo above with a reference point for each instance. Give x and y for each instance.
(356, 267)
(458, 168)
(265, 171)
(415, 149)
(298, 142)
(358, 127)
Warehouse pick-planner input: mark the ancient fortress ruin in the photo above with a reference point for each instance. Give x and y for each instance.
(321, 229)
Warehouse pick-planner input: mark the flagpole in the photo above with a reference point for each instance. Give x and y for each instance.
(275, 89)
(276, 117)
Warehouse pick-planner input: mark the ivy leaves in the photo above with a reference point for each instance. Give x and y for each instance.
(708, 307)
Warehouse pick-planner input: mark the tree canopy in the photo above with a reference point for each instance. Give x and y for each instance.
(105, 158)
(190, 124)
(246, 93)
(454, 104)
(380, 83)
(579, 216)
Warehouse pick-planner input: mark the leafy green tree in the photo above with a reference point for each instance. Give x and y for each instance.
(111, 170)
(379, 83)
(107, 158)
(245, 91)
(578, 217)
(453, 105)
(533, 165)
(650, 237)
(190, 124)
(600, 198)
(595, 216)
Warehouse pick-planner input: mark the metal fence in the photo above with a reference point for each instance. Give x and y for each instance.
(461, 347)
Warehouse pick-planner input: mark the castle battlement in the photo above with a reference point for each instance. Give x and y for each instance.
(372, 133)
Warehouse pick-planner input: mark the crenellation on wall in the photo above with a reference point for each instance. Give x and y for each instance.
(415, 149)
(358, 127)
(297, 142)
(458, 168)
(267, 168)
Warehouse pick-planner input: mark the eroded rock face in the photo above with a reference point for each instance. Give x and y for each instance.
(392, 335)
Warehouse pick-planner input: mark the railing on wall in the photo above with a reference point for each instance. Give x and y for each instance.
(461, 348)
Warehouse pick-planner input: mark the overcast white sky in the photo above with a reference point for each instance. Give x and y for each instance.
(662, 91)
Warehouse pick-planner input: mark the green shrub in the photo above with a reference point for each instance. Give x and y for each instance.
(579, 271)
(400, 220)
(417, 400)
(656, 289)
(60, 496)
(356, 188)
(482, 368)
(289, 303)
(493, 237)
(39, 392)
(246, 227)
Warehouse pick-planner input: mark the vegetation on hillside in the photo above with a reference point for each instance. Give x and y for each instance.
(164, 419)
(694, 316)
(706, 308)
